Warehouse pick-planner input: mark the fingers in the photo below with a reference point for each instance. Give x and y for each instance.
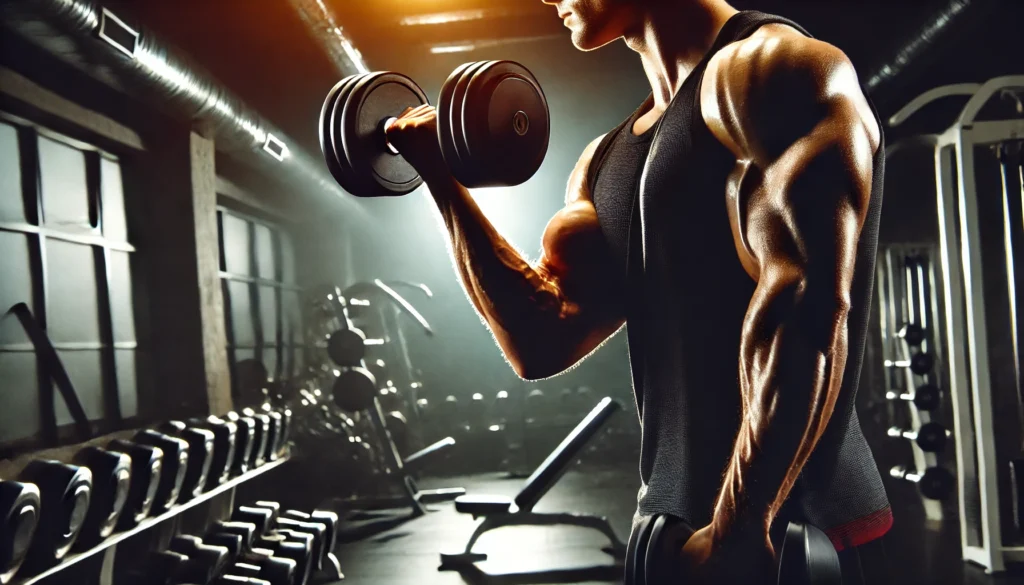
(416, 112)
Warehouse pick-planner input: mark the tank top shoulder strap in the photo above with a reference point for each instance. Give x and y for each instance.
(597, 161)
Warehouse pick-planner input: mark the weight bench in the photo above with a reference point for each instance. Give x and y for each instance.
(499, 511)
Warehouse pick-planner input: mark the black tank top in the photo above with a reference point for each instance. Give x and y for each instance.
(684, 335)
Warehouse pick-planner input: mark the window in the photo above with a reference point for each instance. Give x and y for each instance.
(262, 304)
(64, 251)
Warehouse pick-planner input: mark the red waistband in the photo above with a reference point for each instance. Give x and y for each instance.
(862, 530)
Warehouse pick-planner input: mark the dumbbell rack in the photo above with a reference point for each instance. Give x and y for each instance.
(967, 310)
(907, 297)
(109, 546)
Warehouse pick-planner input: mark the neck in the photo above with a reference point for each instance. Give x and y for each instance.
(672, 38)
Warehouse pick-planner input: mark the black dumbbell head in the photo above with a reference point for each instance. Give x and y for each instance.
(234, 543)
(361, 161)
(260, 438)
(175, 466)
(921, 363)
(280, 546)
(347, 347)
(936, 483)
(19, 507)
(147, 469)
(927, 397)
(205, 561)
(65, 492)
(327, 521)
(200, 455)
(274, 507)
(330, 520)
(246, 530)
(260, 517)
(224, 437)
(931, 437)
(111, 479)
(354, 390)
(277, 423)
(912, 334)
(245, 441)
(808, 556)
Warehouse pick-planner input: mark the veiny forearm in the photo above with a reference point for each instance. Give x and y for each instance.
(792, 360)
(510, 294)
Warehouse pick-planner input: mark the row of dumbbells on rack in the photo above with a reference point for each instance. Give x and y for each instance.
(55, 508)
(934, 482)
(261, 544)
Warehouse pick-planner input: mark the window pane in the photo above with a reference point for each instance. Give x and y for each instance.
(72, 308)
(84, 370)
(121, 303)
(292, 317)
(19, 417)
(12, 207)
(15, 284)
(127, 389)
(265, 252)
(114, 225)
(236, 244)
(287, 258)
(241, 314)
(268, 314)
(64, 189)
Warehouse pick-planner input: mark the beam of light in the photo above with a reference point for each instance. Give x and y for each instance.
(443, 17)
(441, 49)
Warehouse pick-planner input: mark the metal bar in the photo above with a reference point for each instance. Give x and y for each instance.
(977, 344)
(71, 346)
(260, 281)
(85, 239)
(949, 246)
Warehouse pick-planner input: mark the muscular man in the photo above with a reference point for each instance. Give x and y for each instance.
(730, 221)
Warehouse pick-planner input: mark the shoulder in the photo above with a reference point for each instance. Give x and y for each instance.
(778, 84)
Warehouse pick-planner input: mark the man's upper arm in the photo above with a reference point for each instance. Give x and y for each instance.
(792, 108)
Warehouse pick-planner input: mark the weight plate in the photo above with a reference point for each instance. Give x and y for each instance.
(374, 99)
(445, 118)
(354, 390)
(326, 129)
(466, 112)
(347, 347)
(19, 503)
(506, 125)
(348, 179)
(458, 166)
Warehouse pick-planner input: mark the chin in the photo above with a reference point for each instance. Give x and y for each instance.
(585, 42)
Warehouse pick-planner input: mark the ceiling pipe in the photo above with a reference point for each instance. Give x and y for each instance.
(332, 38)
(94, 40)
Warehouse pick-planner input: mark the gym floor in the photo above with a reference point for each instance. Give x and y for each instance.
(407, 554)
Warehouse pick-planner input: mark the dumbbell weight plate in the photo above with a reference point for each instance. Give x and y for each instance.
(327, 130)
(260, 439)
(927, 397)
(232, 542)
(445, 114)
(936, 483)
(317, 531)
(922, 363)
(347, 347)
(225, 435)
(19, 504)
(337, 144)
(147, 467)
(65, 492)
(354, 390)
(245, 441)
(457, 164)
(260, 517)
(931, 436)
(377, 171)
(300, 551)
(505, 125)
(111, 477)
(277, 423)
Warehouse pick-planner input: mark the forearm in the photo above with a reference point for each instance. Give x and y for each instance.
(509, 293)
(790, 377)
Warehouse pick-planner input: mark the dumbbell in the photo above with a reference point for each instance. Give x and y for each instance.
(277, 434)
(111, 478)
(920, 363)
(19, 505)
(294, 529)
(286, 418)
(328, 520)
(347, 347)
(930, 436)
(935, 483)
(245, 441)
(492, 126)
(261, 518)
(200, 455)
(208, 562)
(926, 397)
(354, 389)
(912, 334)
(147, 468)
(225, 435)
(807, 555)
(262, 564)
(282, 546)
(175, 466)
(244, 530)
(64, 494)
(260, 438)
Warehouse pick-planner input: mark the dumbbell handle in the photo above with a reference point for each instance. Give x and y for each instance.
(385, 126)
